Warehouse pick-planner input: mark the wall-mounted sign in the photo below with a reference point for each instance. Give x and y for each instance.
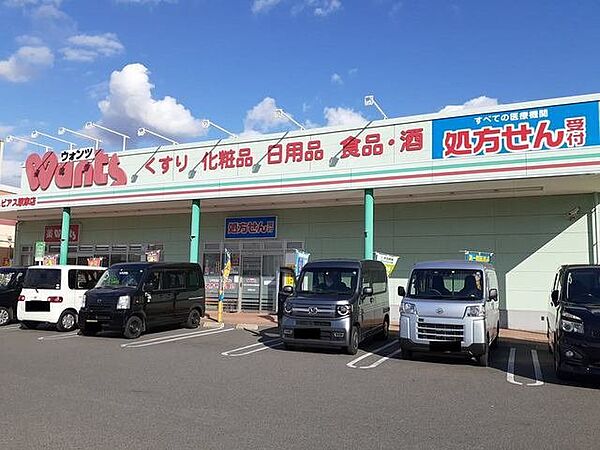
(40, 251)
(483, 257)
(251, 227)
(95, 261)
(52, 233)
(517, 131)
(389, 261)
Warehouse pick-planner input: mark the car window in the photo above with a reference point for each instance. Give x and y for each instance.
(379, 280)
(42, 279)
(154, 279)
(174, 279)
(194, 280)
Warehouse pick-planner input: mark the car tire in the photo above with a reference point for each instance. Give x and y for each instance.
(67, 321)
(352, 349)
(384, 334)
(193, 320)
(28, 325)
(406, 354)
(6, 316)
(133, 327)
(483, 360)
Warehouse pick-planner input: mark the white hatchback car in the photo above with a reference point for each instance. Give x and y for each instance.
(54, 294)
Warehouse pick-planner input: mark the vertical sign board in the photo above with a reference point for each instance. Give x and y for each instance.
(483, 257)
(251, 227)
(40, 251)
(518, 131)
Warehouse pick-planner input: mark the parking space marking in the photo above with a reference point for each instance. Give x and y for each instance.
(510, 371)
(175, 338)
(58, 338)
(11, 327)
(261, 346)
(160, 338)
(352, 364)
(539, 381)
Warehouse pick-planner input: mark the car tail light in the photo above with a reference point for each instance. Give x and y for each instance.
(55, 299)
(21, 298)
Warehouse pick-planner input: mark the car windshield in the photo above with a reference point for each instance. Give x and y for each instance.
(121, 277)
(452, 284)
(331, 280)
(42, 279)
(8, 278)
(583, 286)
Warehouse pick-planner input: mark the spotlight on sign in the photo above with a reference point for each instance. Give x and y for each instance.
(207, 124)
(36, 134)
(280, 113)
(90, 125)
(143, 131)
(370, 101)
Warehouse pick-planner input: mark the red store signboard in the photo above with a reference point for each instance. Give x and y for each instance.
(52, 233)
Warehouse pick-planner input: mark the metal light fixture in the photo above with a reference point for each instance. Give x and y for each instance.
(142, 131)
(63, 130)
(281, 113)
(35, 134)
(11, 138)
(206, 123)
(370, 101)
(90, 125)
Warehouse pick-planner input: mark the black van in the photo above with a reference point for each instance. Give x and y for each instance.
(134, 297)
(11, 283)
(574, 320)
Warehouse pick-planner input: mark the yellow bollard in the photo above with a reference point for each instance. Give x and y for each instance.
(220, 312)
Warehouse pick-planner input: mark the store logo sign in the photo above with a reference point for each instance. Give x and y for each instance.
(251, 227)
(43, 170)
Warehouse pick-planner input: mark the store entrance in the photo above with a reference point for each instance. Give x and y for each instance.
(252, 284)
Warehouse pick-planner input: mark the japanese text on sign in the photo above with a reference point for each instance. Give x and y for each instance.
(52, 233)
(77, 154)
(251, 227)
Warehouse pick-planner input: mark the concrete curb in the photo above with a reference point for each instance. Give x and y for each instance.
(211, 324)
(247, 326)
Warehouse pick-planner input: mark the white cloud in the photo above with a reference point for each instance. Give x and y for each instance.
(11, 172)
(27, 39)
(336, 79)
(263, 118)
(478, 102)
(25, 63)
(343, 117)
(86, 47)
(323, 8)
(263, 6)
(129, 104)
(5, 129)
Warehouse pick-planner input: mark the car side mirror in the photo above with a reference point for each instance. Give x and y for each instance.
(401, 291)
(367, 291)
(493, 294)
(554, 297)
(288, 290)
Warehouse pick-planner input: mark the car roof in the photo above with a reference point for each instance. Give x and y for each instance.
(580, 266)
(453, 264)
(341, 262)
(157, 265)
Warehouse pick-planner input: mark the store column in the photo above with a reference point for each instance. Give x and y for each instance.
(369, 225)
(195, 232)
(64, 235)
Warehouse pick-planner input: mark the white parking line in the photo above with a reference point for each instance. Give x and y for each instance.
(59, 338)
(262, 346)
(175, 338)
(352, 364)
(539, 381)
(160, 338)
(510, 371)
(11, 327)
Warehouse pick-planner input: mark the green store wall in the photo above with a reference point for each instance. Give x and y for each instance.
(530, 237)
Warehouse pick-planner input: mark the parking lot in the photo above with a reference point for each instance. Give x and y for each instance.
(227, 388)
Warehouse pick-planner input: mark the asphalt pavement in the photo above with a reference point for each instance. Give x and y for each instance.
(228, 388)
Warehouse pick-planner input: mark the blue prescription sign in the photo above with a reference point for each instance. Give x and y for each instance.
(251, 227)
(483, 257)
(518, 131)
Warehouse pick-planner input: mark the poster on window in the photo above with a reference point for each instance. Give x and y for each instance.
(95, 262)
(153, 255)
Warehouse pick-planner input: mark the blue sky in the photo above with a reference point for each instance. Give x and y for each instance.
(64, 62)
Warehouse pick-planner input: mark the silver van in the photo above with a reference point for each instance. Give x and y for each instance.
(450, 307)
(337, 303)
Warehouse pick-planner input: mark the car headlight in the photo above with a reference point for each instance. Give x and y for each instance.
(287, 308)
(124, 302)
(571, 324)
(343, 310)
(475, 311)
(408, 308)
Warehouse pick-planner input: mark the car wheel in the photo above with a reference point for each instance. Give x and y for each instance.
(133, 328)
(352, 349)
(407, 354)
(193, 320)
(384, 334)
(28, 325)
(484, 359)
(5, 315)
(67, 321)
